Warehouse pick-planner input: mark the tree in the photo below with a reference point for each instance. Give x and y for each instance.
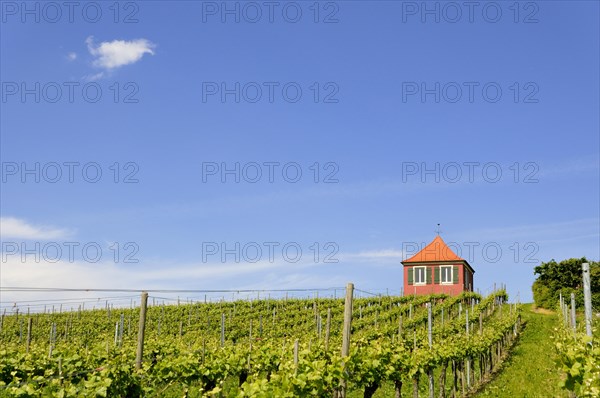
(566, 278)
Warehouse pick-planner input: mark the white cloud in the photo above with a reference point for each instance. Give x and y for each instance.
(384, 255)
(26, 272)
(117, 53)
(94, 77)
(298, 279)
(387, 253)
(546, 231)
(72, 56)
(18, 270)
(11, 227)
(567, 167)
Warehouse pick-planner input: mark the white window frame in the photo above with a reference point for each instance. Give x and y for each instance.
(450, 282)
(424, 282)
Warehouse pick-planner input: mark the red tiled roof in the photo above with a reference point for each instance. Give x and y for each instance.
(437, 250)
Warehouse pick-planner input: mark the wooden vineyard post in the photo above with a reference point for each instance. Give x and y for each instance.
(480, 322)
(121, 328)
(400, 328)
(462, 376)
(573, 320)
(347, 320)
(250, 335)
(141, 331)
(442, 379)
(249, 361)
(52, 339)
(442, 316)
(416, 386)
(560, 300)
(327, 328)
(160, 320)
(320, 326)
(500, 305)
(454, 378)
(430, 339)
(468, 360)
(587, 298)
(347, 330)
(222, 329)
(296, 354)
(29, 324)
(429, 326)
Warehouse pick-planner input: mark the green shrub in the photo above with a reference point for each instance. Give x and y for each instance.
(564, 278)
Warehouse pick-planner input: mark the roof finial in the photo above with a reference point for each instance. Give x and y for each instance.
(438, 230)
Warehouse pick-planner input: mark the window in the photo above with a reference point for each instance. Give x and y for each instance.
(446, 274)
(419, 275)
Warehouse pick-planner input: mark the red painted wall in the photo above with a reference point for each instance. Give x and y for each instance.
(451, 289)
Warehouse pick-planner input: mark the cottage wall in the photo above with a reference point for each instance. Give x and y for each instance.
(434, 288)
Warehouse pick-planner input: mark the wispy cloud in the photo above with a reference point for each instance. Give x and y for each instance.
(71, 56)
(93, 77)
(18, 272)
(16, 228)
(540, 232)
(114, 54)
(386, 253)
(375, 256)
(570, 167)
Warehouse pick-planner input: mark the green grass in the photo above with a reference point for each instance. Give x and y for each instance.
(530, 371)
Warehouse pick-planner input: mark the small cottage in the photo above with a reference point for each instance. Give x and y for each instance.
(437, 269)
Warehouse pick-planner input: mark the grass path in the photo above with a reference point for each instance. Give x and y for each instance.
(530, 371)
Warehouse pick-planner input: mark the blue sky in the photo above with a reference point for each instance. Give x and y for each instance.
(387, 93)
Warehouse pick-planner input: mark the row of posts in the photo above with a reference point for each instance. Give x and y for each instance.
(346, 331)
(568, 311)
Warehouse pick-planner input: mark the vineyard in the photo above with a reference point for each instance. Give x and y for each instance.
(410, 346)
(578, 358)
